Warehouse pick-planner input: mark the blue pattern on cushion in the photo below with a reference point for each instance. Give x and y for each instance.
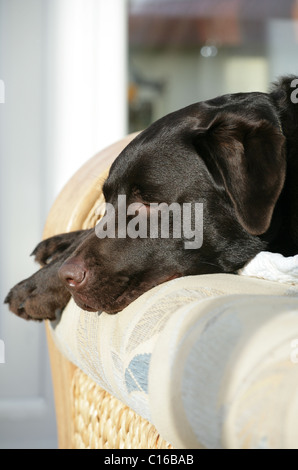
(136, 374)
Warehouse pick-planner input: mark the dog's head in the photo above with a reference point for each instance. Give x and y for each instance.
(224, 160)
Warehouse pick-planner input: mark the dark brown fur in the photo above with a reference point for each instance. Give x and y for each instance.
(237, 153)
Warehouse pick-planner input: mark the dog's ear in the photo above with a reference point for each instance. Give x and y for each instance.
(248, 158)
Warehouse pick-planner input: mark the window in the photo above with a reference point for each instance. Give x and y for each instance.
(183, 51)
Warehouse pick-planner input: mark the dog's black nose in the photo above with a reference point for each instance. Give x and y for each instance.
(73, 273)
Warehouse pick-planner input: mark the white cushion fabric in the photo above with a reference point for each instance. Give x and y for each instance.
(272, 267)
(198, 357)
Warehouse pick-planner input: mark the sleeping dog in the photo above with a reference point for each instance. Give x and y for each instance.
(236, 154)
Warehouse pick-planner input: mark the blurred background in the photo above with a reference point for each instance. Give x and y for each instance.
(77, 75)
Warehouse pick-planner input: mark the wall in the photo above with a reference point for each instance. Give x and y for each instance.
(64, 101)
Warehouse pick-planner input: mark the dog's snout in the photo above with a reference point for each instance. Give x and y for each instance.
(73, 273)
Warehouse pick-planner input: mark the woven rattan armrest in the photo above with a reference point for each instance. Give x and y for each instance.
(207, 359)
(112, 424)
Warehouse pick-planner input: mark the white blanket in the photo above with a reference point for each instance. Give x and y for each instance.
(273, 267)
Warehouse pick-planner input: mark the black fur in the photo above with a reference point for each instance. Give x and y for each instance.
(236, 153)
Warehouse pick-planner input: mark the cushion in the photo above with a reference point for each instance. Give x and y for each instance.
(201, 357)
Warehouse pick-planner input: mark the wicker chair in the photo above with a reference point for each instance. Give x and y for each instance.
(113, 425)
(247, 371)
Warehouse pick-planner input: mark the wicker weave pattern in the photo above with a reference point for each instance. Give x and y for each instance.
(100, 421)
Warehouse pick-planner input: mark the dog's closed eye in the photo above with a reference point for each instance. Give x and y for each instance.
(143, 196)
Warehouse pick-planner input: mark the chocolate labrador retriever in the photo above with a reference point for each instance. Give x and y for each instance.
(236, 155)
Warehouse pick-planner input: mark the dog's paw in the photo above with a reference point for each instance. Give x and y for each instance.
(50, 249)
(40, 297)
